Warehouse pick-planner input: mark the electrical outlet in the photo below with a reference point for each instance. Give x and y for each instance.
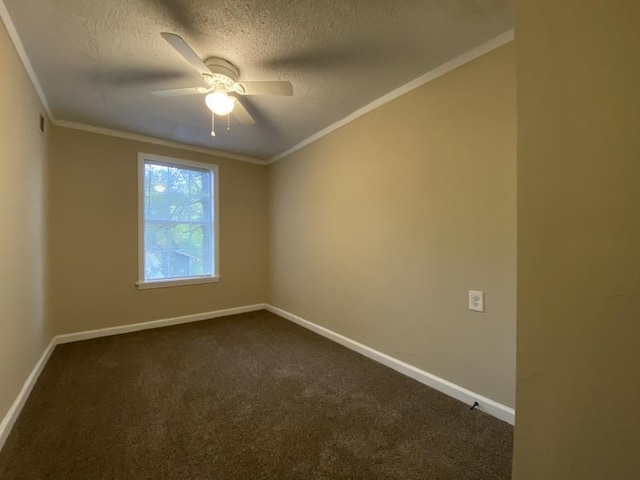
(476, 301)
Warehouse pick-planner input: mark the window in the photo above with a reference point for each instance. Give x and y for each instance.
(178, 222)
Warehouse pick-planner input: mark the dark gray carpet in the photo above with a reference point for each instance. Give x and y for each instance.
(246, 397)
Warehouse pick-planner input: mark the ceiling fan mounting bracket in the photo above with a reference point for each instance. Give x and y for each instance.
(222, 71)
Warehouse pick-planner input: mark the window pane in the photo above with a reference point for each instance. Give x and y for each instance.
(178, 224)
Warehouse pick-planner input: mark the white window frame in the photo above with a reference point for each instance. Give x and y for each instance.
(215, 276)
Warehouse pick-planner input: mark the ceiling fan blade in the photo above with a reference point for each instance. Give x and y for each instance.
(266, 88)
(173, 92)
(183, 48)
(242, 114)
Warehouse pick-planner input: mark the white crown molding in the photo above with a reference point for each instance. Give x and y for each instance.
(466, 57)
(17, 43)
(154, 141)
(493, 408)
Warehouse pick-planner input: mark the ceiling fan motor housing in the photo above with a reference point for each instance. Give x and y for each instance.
(222, 72)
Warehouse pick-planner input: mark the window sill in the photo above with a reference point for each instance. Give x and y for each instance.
(178, 282)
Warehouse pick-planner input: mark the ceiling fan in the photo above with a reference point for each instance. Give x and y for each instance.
(220, 78)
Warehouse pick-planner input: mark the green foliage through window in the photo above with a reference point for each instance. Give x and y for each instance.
(178, 221)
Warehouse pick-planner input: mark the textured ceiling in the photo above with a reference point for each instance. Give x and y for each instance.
(97, 60)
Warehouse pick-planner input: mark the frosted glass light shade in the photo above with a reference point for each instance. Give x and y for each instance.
(219, 103)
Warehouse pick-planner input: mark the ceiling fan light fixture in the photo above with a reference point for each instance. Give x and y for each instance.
(219, 102)
(220, 78)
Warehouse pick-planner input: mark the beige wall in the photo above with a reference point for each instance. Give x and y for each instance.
(94, 256)
(379, 229)
(578, 240)
(24, 331)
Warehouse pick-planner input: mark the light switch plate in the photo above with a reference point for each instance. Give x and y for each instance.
(476, 300)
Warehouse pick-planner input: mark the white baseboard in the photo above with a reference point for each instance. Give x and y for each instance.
(165, 322)
(12, 415)
(487, 405)
(502, 412)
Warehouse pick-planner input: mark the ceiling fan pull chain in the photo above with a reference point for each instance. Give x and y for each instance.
(228, 123)
(213, 124)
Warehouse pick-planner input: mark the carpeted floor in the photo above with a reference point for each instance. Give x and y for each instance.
(246, 397)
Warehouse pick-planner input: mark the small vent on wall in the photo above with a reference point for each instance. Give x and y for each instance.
(41, 123)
